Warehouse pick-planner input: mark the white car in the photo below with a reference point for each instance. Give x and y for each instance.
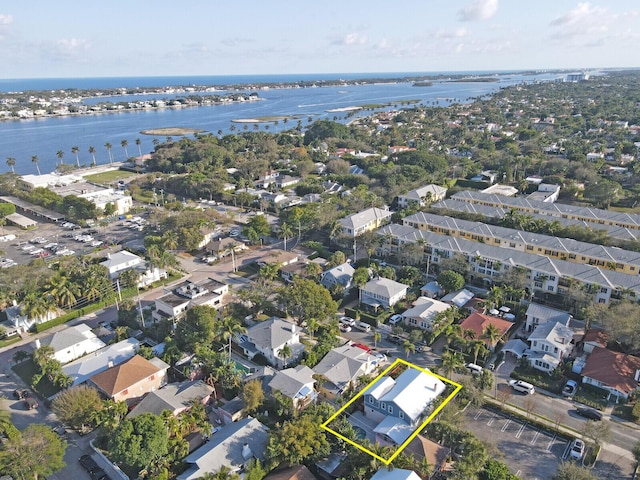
(344, 327)
(577, 449)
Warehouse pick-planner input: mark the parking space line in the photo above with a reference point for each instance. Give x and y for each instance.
(491, 420)
(518, 473)
(506, 425)
(535, 437)
(524, 425)
(551, 442)
(478, 414)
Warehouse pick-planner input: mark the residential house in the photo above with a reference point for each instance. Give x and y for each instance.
(268, 338)
(421, 196)
(343, 366)
(421, 448)
(71, 343)
(84, 368)
(18, 322)
(121, 261)
(478, 323)
(295, 383)
(549, 344)
(364, 221)
(395, 474)
(382, 292)
(547, 192)
(615, 372)
(221, 247)
(290, 272)
(285, 181)
(595, 337)
(400, 405)
(230, 411)
(459, 299)
(234, 446)
(187, 295)
(423, 312)
(296, 472)
(432, 290)
(540, 314)
(499, 189)
(339, 275)
(175, 397)
(131, 379)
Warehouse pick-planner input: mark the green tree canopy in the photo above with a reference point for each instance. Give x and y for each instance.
(300, 440)
(140, 441)
(77, 406)
(306, 299)
(450, 280)
(252, 395)
(36, 452)
(196, 328)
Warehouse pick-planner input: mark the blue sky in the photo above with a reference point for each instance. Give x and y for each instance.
(71, 38)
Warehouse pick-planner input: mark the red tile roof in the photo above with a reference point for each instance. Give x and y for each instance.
(477, 322)
(613, 369)
(123, 376)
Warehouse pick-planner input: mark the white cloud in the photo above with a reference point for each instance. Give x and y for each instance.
(235, 41)
(448, 34)
(478, 10)
(5, 19)
(588, 25)
(350, 39)
(583, 14)
(71, 47)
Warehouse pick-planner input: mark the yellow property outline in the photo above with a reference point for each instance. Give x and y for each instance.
(414, 434)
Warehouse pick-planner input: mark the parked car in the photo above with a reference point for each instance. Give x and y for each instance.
(397, 339)
(473, 368)
(395, 319)
(590, 413)
(88, 463)
(522, 387)
(577, 449)
(98, 474)
(348, 321)
(344, 327)
(21, 393)
(570, 388)
(30, 403)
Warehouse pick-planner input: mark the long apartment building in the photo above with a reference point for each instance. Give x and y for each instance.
(546, 274)
(593, 216)
(488, 211)
(611, 258)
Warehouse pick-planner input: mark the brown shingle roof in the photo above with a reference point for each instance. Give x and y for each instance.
(120, 377)
(596, 335)
(477, 322)
(613, 369)
(297, 472)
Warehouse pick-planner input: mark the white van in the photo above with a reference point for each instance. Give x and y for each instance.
(523, 387)
(473, 368)
(365, 327)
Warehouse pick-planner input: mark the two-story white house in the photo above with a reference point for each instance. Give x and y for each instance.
(71, 343)
(540, 314)
(269, 338)
(119, 262)
(295, 383)
(423, 312)
(382, 292)
(342, 367)
(364, 221)
(340, 275)
(549, 343)
(187, 295)
(423, 195)
(399, 406)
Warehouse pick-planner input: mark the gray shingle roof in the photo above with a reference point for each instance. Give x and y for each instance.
(172, 397)
(291, 380)
(271, 333)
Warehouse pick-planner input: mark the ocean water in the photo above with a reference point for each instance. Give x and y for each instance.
(22, 139)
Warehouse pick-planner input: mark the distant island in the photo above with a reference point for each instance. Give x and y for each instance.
(171, 131)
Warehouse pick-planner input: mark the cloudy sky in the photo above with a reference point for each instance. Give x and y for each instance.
(72, 38)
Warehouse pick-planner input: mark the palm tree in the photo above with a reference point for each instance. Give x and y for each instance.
(451, 361)
(312, 326)
(285, 232)
(11, 162)
(229, 327)
(377, 336)
(75, 151)
(138, 143)
(35, 159)
(36, 307)
(62, 290)
(124, 144)
(491, 334)
(92, 151)
(60, 155)
(408, 347)
(108, 147)
(170, 240)
(284, 353)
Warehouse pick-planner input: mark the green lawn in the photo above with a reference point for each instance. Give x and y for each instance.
(110, 176)
(26, 370)
(9, 341)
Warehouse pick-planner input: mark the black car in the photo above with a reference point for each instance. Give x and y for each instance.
(98, 474)
(21, 393)
(590, 413)
(89, 464)
(30, 403)
(395, 339)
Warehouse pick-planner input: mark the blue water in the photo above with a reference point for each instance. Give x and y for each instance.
(21, 139)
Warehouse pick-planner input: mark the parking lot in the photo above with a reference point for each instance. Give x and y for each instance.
(529, 452)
